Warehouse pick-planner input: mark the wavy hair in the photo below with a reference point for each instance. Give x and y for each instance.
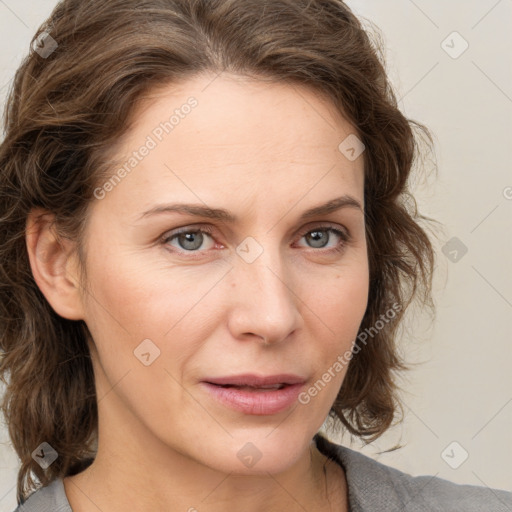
(66, 109)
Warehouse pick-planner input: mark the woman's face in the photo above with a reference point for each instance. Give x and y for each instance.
(263, 290)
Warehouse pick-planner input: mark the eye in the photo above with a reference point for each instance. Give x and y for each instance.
(190, 240)
(319, 237)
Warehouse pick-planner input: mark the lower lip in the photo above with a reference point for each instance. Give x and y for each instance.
(255, 402)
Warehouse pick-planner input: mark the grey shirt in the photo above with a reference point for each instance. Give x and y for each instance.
(372, 487)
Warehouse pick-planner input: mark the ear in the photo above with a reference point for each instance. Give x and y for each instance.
(54, 265)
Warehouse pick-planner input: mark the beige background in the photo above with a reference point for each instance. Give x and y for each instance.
(462, 390)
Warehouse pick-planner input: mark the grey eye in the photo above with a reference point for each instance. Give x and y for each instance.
(318, 237)
(191, 240)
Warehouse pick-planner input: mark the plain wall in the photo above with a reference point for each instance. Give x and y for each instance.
(460, 390)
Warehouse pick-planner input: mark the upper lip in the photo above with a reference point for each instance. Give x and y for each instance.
(249, 379)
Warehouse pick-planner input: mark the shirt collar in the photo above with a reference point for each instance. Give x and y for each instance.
(372, 486)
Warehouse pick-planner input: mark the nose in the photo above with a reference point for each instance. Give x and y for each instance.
(263, 302)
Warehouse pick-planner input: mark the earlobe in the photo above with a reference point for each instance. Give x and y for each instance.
(53, 263)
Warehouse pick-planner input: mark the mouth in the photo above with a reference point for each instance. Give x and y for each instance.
(250, 388)
(255, 395)
(256, 381)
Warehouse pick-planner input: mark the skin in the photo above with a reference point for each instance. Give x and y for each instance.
(266, 152)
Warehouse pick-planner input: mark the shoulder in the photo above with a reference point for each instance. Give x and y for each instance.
(51, 498)
(375, 486)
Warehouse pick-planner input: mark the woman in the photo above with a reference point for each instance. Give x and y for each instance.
(204, 216)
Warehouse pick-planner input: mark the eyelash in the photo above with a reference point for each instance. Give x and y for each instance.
(344, 236)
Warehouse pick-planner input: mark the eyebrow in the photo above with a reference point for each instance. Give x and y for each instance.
(220, 214)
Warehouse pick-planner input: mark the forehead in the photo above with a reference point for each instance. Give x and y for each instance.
(218, 135)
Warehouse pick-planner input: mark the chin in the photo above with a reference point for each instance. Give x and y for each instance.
(258, 451)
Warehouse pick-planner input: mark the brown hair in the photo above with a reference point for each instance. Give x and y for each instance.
(66, 109)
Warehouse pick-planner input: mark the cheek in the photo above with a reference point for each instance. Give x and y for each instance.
(138, 321)
(341, 306)
(132, 300)
(338, 304)
(342, 300)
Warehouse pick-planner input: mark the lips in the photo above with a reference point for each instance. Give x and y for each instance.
(253, 394)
